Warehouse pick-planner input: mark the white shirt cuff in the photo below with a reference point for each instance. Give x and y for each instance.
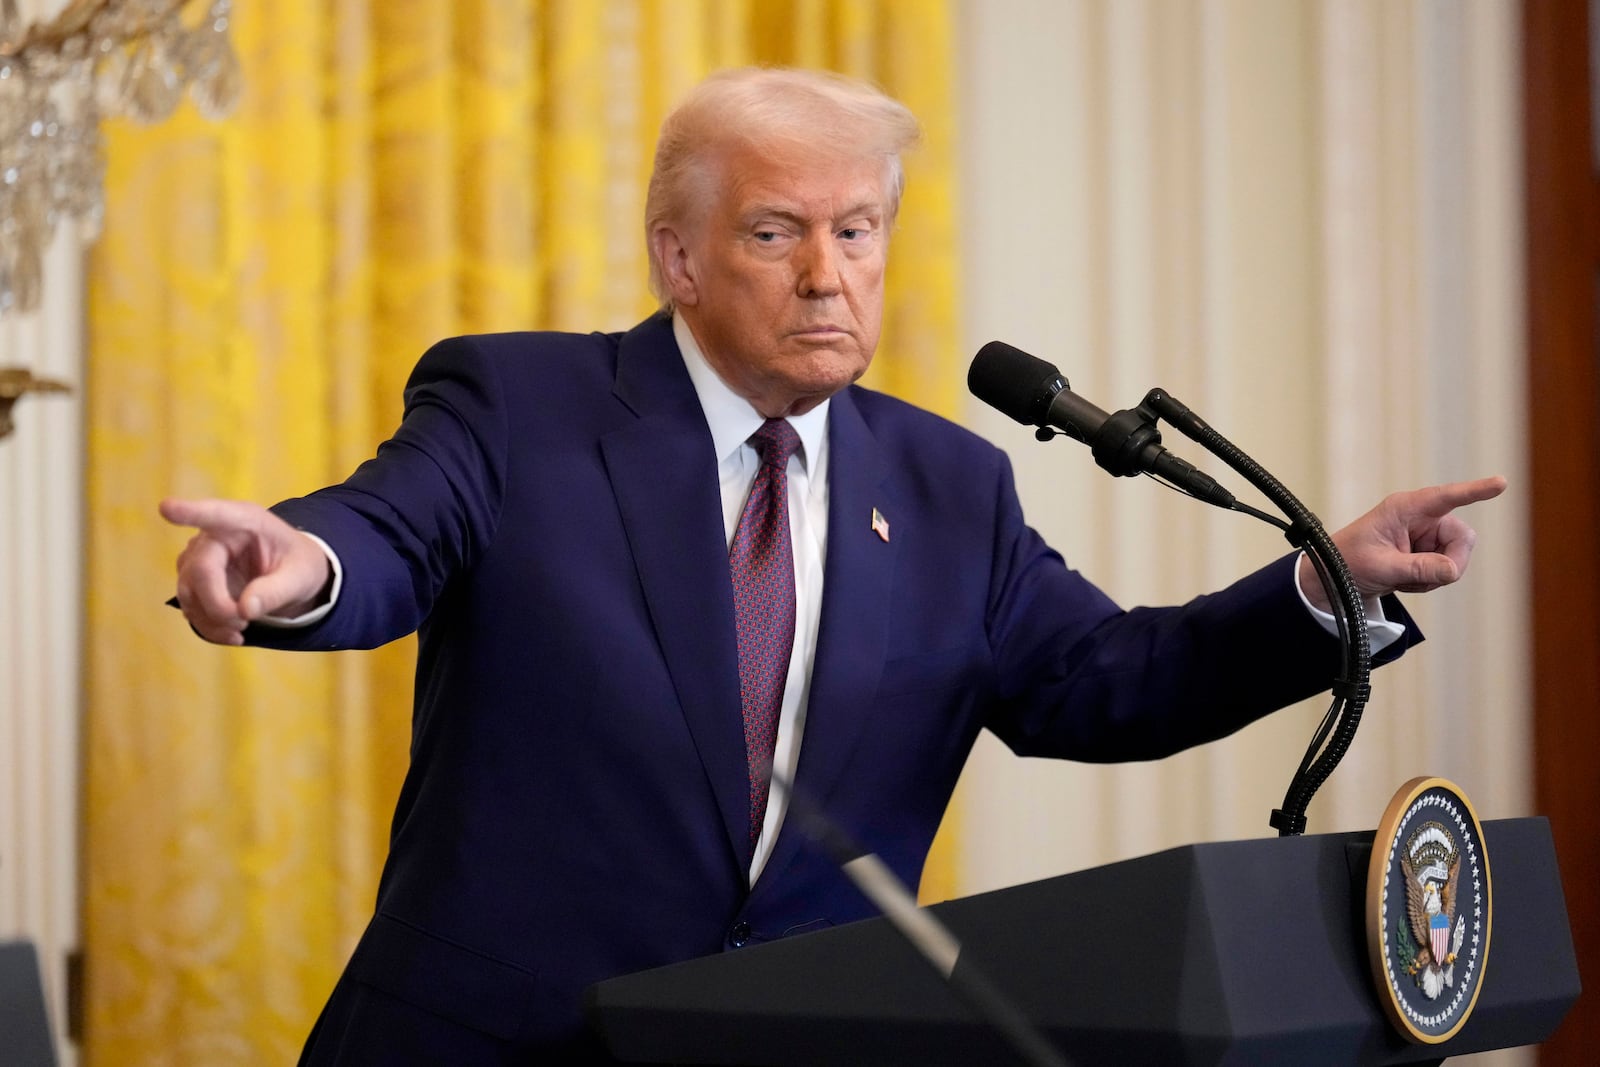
(1381, 633)
(316, 614)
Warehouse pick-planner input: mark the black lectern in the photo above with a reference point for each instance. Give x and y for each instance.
(1247, 952)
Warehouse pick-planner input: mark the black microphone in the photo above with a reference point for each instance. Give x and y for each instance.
(1031, 391)
(1036, 394)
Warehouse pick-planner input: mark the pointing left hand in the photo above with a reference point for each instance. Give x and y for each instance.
(1411, 542)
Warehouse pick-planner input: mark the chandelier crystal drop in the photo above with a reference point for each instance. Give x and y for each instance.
(97, 58)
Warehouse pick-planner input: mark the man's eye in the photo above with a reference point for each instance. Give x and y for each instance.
(766, 236)
(851, 233)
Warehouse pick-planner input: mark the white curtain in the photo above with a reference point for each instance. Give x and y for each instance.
(1302, 219)
(41, 539)
(41, 559)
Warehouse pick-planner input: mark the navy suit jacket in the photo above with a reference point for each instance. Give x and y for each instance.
(547, 517)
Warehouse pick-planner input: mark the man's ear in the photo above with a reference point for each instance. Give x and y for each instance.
(678, 273)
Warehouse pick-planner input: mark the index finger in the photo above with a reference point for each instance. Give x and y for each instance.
(1437, 500)
(206, 514)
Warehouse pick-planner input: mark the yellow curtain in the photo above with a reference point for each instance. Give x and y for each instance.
(398, 171)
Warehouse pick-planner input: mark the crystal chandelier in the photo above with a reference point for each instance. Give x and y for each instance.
(59, 77)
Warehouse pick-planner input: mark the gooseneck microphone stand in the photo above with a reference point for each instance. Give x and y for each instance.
(1119, 445)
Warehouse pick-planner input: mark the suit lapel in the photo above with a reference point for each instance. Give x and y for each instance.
(853, 634)
(663, 471)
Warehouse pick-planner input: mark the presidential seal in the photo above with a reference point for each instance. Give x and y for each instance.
(1428, 908)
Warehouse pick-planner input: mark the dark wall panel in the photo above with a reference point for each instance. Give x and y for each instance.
(1563, 232)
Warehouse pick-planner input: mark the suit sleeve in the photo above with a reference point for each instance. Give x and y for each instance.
(416, 513)
(1079, 677)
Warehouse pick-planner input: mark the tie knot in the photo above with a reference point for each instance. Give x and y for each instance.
(776, 441)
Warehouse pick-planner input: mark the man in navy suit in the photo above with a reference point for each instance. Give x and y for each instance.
(564, 519)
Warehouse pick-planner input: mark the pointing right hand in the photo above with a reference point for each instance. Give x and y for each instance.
(244, 563)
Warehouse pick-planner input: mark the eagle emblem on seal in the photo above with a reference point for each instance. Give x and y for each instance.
(1429, 935)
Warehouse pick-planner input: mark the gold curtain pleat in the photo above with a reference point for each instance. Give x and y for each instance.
(398, 171)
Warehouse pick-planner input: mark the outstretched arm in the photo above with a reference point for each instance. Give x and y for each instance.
(1412, 542)
(244, 564)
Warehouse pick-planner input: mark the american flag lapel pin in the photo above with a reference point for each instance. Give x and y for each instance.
(880, 525)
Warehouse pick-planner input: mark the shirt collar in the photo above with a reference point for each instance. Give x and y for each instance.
(730, 416)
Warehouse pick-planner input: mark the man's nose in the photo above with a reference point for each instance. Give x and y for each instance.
(819, 266)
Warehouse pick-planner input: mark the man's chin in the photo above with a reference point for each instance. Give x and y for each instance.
(828, 381)
(820, 363)
(799, 397)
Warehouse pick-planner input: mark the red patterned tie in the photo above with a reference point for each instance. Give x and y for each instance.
(761, 563)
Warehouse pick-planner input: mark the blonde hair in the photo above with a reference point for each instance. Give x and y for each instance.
(767, 108)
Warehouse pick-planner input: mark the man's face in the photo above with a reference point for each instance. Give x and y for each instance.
(782, 280)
